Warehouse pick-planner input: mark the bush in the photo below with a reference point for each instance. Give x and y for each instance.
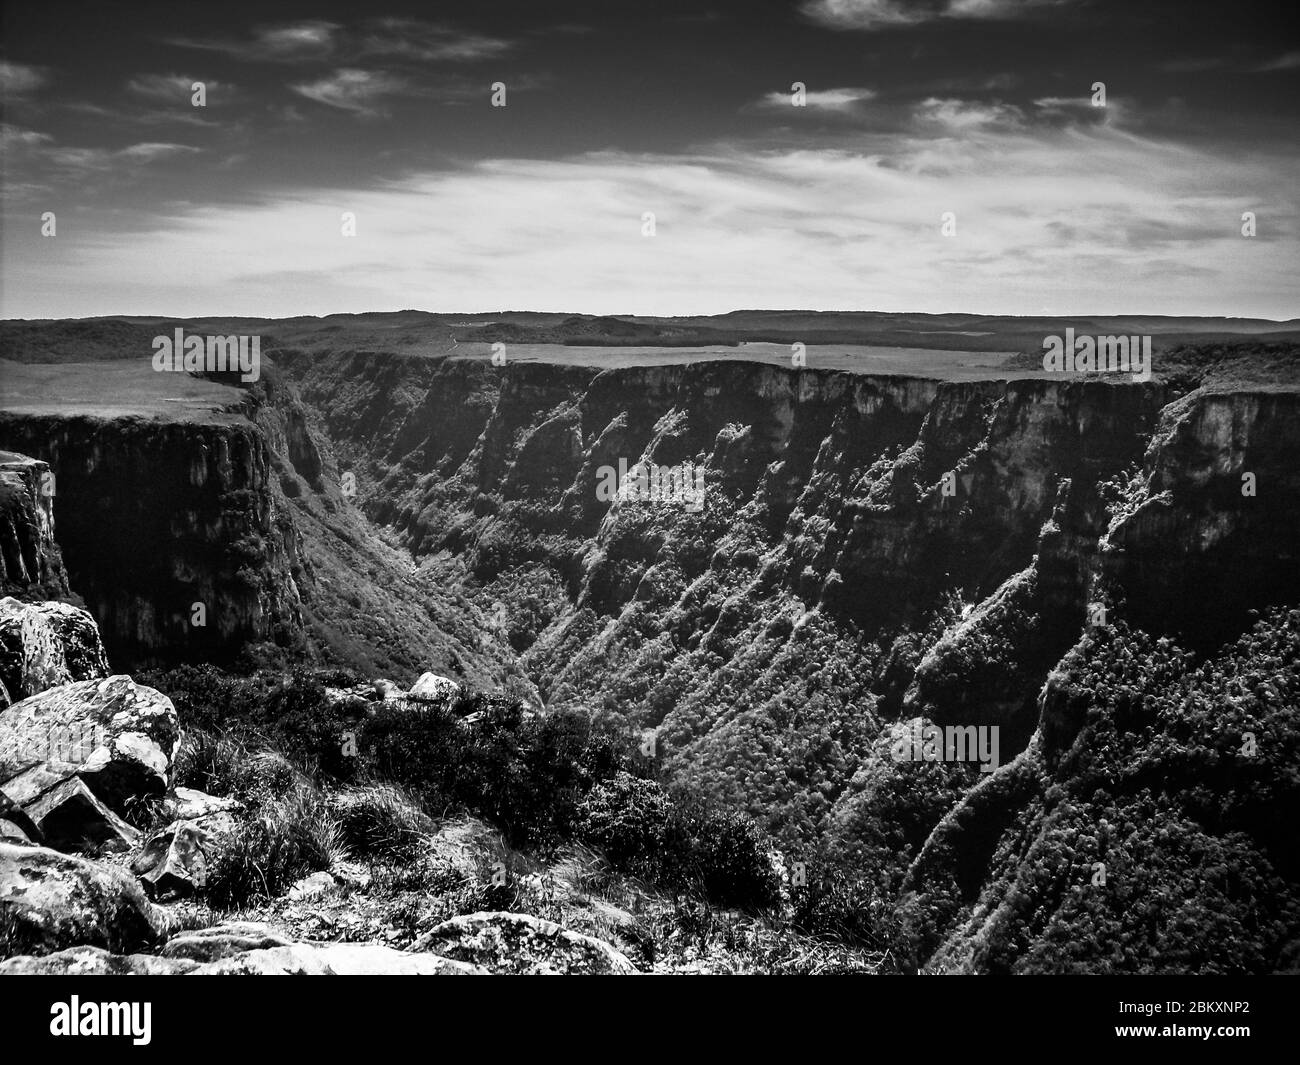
(285, 840)
(679, 842)
(380, 820)
(225, 764)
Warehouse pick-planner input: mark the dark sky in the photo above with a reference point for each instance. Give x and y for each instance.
(981, 108)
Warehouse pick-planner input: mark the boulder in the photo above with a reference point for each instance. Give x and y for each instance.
(70, 818)
(45, 645)
(93, 961)
(15, 824)
(433, 688)
(312, 886)
(221, 941)
(520, 944)
(175, 860)
(190, 804)
(49, 901)
(118, 736)
(333, 959)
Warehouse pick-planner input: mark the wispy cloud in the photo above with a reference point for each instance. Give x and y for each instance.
(19, 79)
(882, 14)
(350, 89)
(845, 99)
(1289, 61)
(1070, 219)
(176, 88)
(412, 39)
(286, 43)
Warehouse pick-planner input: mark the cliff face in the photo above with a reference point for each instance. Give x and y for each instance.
(170, 531)
(31, 565)
(1213, 532)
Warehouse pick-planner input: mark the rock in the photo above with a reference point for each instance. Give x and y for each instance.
(45, 645)
(189, 804)
(520, 944)
(93, 961)
(431, 687)
(70, 818)
(15, 822)
(223, 941)
(312, 886)
(49, 901)
(121, 738)
(12, 832)
(351, 875)
(376, 959)
(31, 564)
(175, 859)
(294, 959)
(386, 690)
(250, 948)
(333, 959)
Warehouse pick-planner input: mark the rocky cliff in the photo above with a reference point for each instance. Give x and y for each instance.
(31, 565)
(170, 531)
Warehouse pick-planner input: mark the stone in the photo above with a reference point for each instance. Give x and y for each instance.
(222, 941)
(70, 818)
(175, 860)
(433, 688)
(50, 901)
(520, 944)
(93, 961)
(190, 804)
(312, 886)
(15, 821)
(118, 736)
(45, 645)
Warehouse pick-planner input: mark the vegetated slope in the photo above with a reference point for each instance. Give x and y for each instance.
(768, 635)
(175, 494)
(1150, 826)
(872, 552)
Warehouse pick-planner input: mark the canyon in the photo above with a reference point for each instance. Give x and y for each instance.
(873, 550)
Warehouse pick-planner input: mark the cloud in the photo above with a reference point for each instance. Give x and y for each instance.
(845, 99)
(18, 79)
(1289, 61)
(350, 89)
(173, 88)
(963, 116)
(882, 14)
(13, 138)
(287, 43)
(412, 39)
(1086, 218)
(113, 159)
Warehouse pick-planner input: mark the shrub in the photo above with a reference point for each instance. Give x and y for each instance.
(285, 840)
(380, 820)
(679, 842)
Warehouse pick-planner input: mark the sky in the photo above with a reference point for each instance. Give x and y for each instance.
(651, 158)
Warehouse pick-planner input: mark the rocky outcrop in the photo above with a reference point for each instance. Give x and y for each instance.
(1212, 534)
(75, 756)
(520, 944)
(432, 688)
(31, 565)
(44, 645)
(175, 860)
(173, 531)
(50, 901)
